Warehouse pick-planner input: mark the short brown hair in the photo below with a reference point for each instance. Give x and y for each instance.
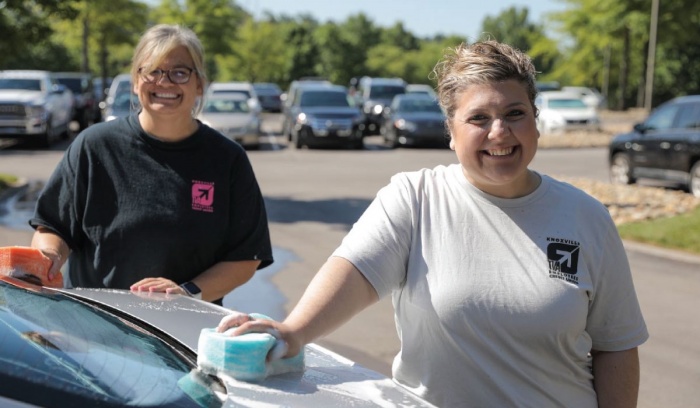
(479, 63)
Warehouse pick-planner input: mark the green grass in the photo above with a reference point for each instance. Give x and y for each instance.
(679, 232)
(6, 179)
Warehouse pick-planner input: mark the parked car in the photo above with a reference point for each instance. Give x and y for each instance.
(560, 112)
(121, 99)
(115, 348)
(34, 107)
(243, 88)
(421, 89)
(87, 109)
(665, 147)
(269, 95)
(374, 94)
(230, 114)
(590, 96)
(414, 119)
(325, 115)
(289, 98)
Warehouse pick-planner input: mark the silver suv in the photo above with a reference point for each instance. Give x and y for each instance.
(34, 107)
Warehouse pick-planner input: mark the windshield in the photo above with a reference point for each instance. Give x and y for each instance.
(386, 91)
(21, 84)
(566, 103)
(77, 85)
(323, 98)
(427, 105)
(226, 106)
(57, 351)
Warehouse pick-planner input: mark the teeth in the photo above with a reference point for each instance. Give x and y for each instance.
(500, 152)
(166, 95)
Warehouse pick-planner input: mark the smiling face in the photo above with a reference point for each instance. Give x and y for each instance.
(164, 99)
(494, 135)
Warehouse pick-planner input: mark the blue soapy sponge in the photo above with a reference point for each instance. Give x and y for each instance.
(242, 357)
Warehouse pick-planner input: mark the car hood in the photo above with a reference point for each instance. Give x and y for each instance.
(328, 380)
(21, 96)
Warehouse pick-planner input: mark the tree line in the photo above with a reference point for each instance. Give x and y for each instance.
(597, 43)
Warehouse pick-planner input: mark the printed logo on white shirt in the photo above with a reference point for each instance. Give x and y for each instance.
(562, 256)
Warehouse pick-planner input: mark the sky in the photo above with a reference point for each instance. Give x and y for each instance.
(423, 18)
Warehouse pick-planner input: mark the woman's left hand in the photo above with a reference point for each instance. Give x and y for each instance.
(158, 285)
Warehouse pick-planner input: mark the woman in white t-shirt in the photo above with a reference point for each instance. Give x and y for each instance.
(510, 288)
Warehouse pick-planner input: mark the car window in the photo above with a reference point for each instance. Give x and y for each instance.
(312, 98)
(226, 106)
(566, 103)
(52, 346)
(662, 118)
(20, 84)
(386, 91)
(419, 106)
(77, 85)
(689, 116)
(234, 91)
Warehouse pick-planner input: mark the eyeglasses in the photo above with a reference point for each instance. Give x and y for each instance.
(175, 75)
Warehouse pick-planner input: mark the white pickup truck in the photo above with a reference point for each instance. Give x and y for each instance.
(34, 107)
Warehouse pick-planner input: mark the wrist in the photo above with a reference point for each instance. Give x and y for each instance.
(192, 290)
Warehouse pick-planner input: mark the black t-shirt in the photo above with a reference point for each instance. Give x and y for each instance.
(131, 206)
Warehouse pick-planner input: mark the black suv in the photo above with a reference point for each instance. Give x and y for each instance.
(374, 95)
(666, 147)
(87, 109)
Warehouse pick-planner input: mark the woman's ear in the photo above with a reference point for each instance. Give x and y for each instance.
(452, 143)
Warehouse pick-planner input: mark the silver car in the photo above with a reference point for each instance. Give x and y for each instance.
(232, 115)
(115, 348)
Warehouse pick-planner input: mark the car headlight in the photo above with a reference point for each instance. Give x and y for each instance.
(302, 119)
(377, 110)
(403, 124)
(36, 110)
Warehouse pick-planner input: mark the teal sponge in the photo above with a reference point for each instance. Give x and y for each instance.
(242, 357)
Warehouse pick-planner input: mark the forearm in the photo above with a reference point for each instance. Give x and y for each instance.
(223, 277)
(616, 378)
(337, 293)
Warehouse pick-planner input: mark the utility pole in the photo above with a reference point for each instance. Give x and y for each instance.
(652, 54)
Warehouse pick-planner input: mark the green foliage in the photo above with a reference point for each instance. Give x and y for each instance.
(681, 232)
(598, 43)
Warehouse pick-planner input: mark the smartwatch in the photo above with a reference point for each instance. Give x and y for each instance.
(192, 290)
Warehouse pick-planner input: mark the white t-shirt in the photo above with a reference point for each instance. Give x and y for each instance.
(498, 302)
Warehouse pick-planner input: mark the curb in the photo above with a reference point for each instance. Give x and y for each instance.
(668, 253)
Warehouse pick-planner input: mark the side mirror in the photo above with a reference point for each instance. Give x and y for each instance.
(640, 127)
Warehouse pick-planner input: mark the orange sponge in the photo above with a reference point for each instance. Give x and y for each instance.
(26, 262)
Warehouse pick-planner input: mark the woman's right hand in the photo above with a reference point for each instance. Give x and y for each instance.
(287, 344)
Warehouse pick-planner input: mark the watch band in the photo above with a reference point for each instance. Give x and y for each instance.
(192, 290)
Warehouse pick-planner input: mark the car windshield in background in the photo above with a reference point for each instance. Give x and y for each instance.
(566, 103)
(20, 84)
(386, 91)
(419, 106)
(77, 85)
(125, 100)
(232, 91)
(226, 106)
(321, 98)
(57, 351)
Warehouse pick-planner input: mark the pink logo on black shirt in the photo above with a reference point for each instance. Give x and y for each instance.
(202, 196)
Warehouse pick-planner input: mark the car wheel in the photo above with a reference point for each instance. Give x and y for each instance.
(694, 182)
(621, 170)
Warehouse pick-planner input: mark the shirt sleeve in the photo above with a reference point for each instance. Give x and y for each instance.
(378, 244)
(615, 321)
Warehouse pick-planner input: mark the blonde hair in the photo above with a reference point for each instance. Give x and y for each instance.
(480, 63)
(158, 41)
